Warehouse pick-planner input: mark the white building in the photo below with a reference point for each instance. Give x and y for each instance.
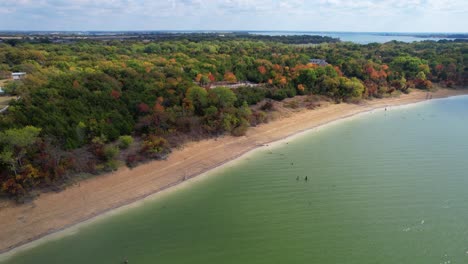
(2, 92)
(18, 75)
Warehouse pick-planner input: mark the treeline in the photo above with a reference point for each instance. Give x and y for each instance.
(86, 107)
(166, 36)
(296, 39)
(198, 37)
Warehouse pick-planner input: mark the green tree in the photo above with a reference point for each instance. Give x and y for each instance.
(409, 66)
(307, 77)
(15, 143)
(199, 98)
(222, 97)
(351, 88)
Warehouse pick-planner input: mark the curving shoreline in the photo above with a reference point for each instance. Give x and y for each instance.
(53, 212)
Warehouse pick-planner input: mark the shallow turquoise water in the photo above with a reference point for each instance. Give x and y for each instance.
(385, 187)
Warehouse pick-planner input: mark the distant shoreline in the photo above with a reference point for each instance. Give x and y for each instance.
(262, 35)
(54, 212)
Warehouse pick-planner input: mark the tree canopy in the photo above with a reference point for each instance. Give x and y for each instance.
(85, 104)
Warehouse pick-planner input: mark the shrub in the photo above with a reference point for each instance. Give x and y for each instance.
(292, 104)
(258, 117)
(278, 94)
(267, 106)
(251, 95)
(155, 147)
(111, 165)
(125, 141)
(241, 129)
(110, 152)
(132, 160)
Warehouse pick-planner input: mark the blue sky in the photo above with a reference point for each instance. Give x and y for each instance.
(313, 15)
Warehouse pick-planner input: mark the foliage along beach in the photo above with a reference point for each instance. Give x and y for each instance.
(55, 211)
(91, 107)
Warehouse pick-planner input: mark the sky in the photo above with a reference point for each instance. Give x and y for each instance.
(295, 15)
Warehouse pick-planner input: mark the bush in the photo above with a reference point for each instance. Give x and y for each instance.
(155, 147)
(112, 165)
(251, 95)
(125, 141)
(278, 94)
(292, 104)
(241, 129)
(132, 160)
(110, 152)
(258, 117)
(267, 106)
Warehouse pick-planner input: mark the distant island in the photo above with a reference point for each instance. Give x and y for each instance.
(430, 35)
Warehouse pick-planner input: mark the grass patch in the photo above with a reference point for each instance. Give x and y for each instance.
(4, 100)
(291, 104)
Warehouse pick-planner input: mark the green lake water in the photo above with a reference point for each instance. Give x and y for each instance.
(384, 187)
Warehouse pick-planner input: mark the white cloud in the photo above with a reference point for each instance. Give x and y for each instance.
(368, 15)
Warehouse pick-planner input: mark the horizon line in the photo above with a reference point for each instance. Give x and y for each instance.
(233, 31)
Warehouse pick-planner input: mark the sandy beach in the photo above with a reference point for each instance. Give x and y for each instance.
(52, 212)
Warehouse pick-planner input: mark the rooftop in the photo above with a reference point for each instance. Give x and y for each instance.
(320, 62)
(18, 73)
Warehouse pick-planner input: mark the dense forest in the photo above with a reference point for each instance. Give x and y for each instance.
(87, 106)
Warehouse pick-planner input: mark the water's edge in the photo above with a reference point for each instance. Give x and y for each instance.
(138, 201)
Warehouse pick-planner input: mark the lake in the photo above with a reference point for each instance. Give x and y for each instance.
(356, 37)
(382, 187)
